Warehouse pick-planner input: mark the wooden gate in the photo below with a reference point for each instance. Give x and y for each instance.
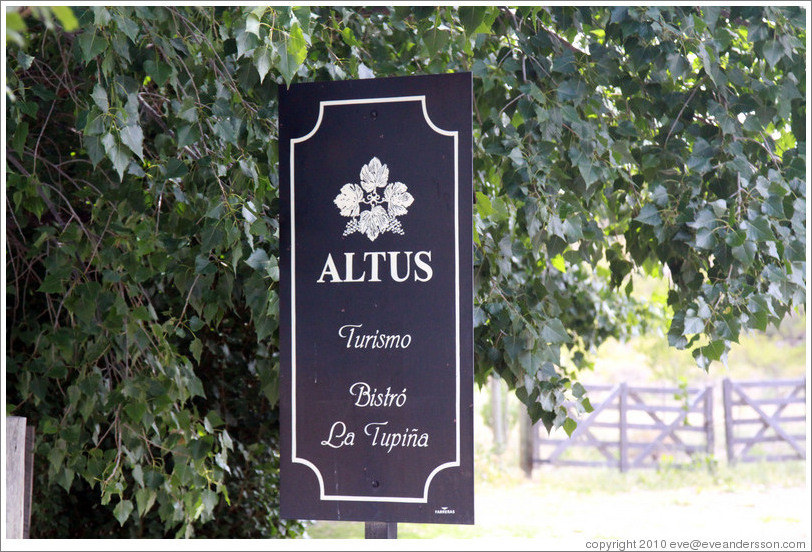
(765, 420)
(635, 427)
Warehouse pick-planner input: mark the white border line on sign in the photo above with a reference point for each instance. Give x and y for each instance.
(296, 459)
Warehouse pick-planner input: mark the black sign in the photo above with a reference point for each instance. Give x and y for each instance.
(376, 300)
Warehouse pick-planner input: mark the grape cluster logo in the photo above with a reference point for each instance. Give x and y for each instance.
(376, 219)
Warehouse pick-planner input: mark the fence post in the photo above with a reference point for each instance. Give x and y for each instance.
(380, 530)
(623, 446)
(727, 400)
(498, 415)
(527, 443)
(29, 480)
(709, 432)
(15, 477)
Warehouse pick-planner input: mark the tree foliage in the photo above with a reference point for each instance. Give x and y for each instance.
(142, 233)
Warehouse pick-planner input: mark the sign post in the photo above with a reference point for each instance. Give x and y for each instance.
(376, 301)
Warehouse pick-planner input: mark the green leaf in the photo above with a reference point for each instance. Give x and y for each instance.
(292, 52)
(705, 238)
(175, 168)
(138, 475)
(122, 511)
(19, 138)
(228, 129)
(135, 411)
(52, 284)
(91, 45)
(258, 260)
(759, 320)
(102, 16)
(203, 265)
(95, 150)
(569, 426)
(483, 205)
(558, 263)
(187, 135)
(195, 387)
(252, 24)
(678, 65)
(728, 327)
(195, 323)
(302, 14)
(553, 331)
(100, 97)
(56, 456)
(213, 418)
(199, 448)
(571, 90)
(65, 478)
(196, 349)
(141, 313)
(66, 17)
(349, 37)
(435, 40)
(48, 426)
(246, 42)
(120, 160)
(589, 170)
(133, 137)
(564, 63)
(773, 52)
(145, 498)
(649, 215)
(15, 22)
(472, 17)
(273, 269)
(210, 500)
(128, 27)
(25, 61)
(225, 438)
(693, 325)
(158, 71)
(262, 61)
(705, 355)
(745, 253)
(95, 123)
(758, 230)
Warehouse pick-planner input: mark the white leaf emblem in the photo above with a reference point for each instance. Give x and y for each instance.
(349, 200)
(373, 222)
(374, 175)
(398, 198)
(377, 219)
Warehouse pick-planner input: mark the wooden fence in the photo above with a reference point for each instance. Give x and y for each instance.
(635, 427)
(765, 420)
(645, 427)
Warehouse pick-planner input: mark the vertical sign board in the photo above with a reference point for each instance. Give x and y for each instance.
(376, 300)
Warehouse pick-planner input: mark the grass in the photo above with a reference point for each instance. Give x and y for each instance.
(682, 488)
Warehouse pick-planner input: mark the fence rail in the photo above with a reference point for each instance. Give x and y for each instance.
(644, 427)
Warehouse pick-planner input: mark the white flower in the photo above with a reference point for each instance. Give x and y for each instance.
(349, 200)
(398, 198)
